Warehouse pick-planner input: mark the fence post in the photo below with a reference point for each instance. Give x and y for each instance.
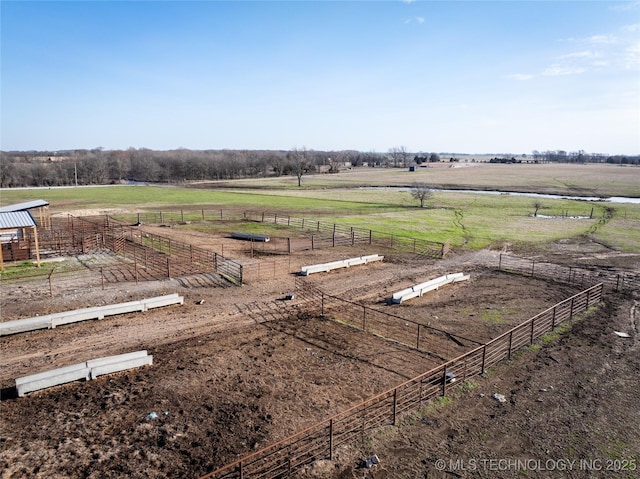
(50, 285)
(571, 311)
(331, 439)
(510, 343)
(102, 277)
(289, 245)
(553, 319)
(395, 406)
(444, 380)
(532, 325)
(617, 282)
(202, 213)
(311, 242)
(484, 355)
(533, 264)
(500, 263)
(334, 235)
(168, 268)
(364, 318)
(370, 237)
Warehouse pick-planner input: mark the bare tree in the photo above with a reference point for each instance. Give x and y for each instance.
(421, 192)
(400, 156)
(300, 163)
(537, 205)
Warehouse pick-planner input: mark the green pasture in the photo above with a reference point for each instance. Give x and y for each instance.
(467, 220)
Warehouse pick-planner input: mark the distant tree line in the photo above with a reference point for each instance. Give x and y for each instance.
(580, 156)
(99, 166)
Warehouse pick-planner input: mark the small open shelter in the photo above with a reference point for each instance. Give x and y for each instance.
(14, 221)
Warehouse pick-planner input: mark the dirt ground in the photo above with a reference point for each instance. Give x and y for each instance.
(237, 368)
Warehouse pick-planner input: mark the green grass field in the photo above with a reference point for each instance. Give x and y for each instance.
(469, 220)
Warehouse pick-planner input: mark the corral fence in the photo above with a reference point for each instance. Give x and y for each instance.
(320, 234)
(325, 235)
(413, 334)
(285, 458)
(144, 256)
(618, 281)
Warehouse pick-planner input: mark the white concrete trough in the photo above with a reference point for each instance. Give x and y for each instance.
(326, 267)
(112, 364)
(433, 284)
(55, 377)
(161, 301)
(87, 370)
(98, 312)
(24, 325)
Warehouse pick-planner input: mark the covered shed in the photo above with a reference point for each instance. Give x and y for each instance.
(13, 225)
(44, 217)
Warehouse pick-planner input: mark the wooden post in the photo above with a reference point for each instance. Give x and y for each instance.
(35, 235)
(484, 356)
(50, 285)
(168, 268)
(334, 235)
(510, 343)
(500, 263)
(289, 245)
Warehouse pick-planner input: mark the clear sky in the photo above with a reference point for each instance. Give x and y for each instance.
(444, 76)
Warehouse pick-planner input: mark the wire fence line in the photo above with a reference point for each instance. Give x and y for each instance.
(618, 281)
(285, 458)
(318, 234)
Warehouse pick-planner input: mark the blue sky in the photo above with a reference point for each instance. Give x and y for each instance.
(444, 76)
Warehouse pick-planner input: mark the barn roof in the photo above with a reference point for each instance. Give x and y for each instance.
(27, 205)
(16, 219)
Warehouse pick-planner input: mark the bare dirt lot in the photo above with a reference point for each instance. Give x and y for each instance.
(245, 368)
